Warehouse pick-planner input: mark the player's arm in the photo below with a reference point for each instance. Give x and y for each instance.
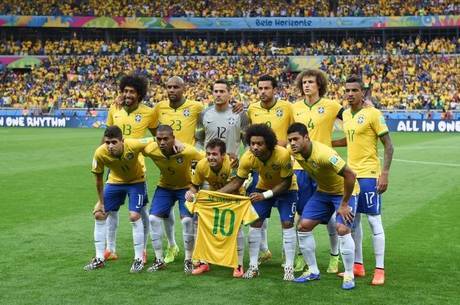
(339, 142)
(349, 180)
(190, 194)
(199, 132)
(278, 189)
(232, 186)
(100, 193)
(382, 183)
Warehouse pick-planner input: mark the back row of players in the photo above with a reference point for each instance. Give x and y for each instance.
(320, 183)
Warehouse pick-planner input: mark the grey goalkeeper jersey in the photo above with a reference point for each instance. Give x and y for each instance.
(225, 125)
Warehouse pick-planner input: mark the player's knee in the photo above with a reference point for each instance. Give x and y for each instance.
(305, 225)
(257, 224)
(187, 223)
(287, 224)
(342, 229)
(375, 221)
(133, 216)
(153, 219)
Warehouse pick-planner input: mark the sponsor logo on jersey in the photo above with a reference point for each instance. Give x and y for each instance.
(138, 118)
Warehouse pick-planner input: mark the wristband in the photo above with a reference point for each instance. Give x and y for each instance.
(268, 194)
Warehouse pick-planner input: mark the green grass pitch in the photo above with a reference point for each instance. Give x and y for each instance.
(46, 227)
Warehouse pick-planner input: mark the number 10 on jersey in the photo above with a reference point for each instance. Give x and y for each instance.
(219, 222)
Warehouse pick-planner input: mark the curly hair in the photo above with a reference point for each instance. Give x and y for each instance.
(138, 82)
(321, 80)
(262, 130)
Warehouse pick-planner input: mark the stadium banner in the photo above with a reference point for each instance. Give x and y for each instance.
(21, 62)
(423, 125)
(51, 121)
(249, 23)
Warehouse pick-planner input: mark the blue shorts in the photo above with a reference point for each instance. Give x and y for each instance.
(164, 199)
(369, 201)
(322, 206)
(307, 187)
(286, 204)
(255, 179)
(115, 194)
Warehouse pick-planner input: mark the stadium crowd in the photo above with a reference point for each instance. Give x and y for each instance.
(397, 82)
(185, 46)
(229, 8)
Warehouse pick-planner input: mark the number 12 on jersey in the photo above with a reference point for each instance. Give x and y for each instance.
(219, 222)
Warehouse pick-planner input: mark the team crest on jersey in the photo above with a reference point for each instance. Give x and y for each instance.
(138, 118)
(180, 160)
(231, 121)
(321, 110)
(186, 112)
(129, 156)
(279, 112)
(276, 167)
(334, 160)
(314, 164)
(360, 119)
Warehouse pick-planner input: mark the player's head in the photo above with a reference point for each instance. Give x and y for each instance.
(298, 137)
(113, 139)
(221, 92)
(354, 90)
(266, 86)
(165, 138)
(215, 152)
(133, 89)
(261, 139)
(311, 83)
(175, 87)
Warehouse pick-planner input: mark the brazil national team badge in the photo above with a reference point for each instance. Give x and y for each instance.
(186, 112)
(231, 121)
(334, 160)
(180, 160)
(321, 110)
(279, 112)
(129, 156)
(360, 119)
(138, 118)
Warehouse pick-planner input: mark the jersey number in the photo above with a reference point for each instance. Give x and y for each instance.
(126, 129)
(310, 124)
(219, 222)
(221, 132)
(370, 198)
(176, 125)
(351, 134)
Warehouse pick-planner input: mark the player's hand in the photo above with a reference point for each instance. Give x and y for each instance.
(119, 101)
(256, 197)
(234, 160)
(382, 183)
(344, 210)
(190, 196)
(178, 146)
(238, 107)
(99, 207)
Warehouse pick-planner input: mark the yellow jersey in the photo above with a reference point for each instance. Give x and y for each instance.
(133, 124)
(216, 180)
(220, 218)
(271, 172)
(126, 169)
(278, 117)
(324, 165)
(362, 130)
(183, 120)
(175, 170)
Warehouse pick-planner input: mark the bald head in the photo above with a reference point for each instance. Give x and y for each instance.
(175, 87)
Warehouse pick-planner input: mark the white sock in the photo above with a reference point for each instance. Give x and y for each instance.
(347, 250)
(378, 239)
(289, 244)
(156, 234)
(254, 245)
(170, 230)
(145, 225)
(112, 226)
(333, 238)
(307, 246)
(263, 236)
(138, 238)
(187, 232)
(240, 246)
(100, 231)
(357, 234)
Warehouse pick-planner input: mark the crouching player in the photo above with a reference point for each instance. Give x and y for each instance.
(336, 183)
(126, 177)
